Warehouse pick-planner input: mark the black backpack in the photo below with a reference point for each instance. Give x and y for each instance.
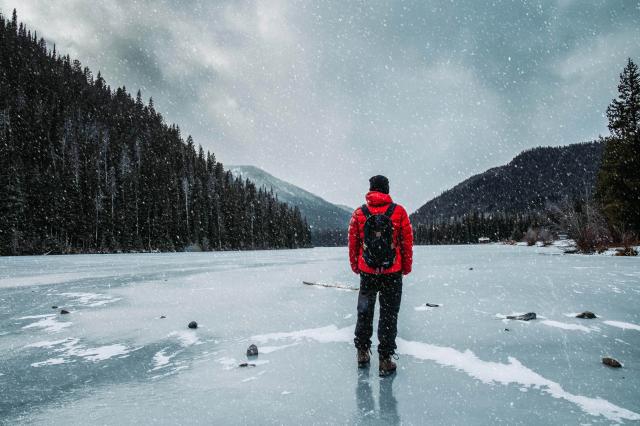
(378, 250)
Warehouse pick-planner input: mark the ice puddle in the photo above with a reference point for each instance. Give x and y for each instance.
(488, 372)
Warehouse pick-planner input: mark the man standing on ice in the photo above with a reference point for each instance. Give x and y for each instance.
(381, 251)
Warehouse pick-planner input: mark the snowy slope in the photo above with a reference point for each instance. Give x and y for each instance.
(320, 213)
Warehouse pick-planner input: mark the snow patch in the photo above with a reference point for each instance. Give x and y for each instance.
(49, 324)
(51, 361)
(161, 359)
(623, 325)
(36, 316)
(102, 353)
(90, 299)
(330, 333)
(566, 326)
(186, 338)
(47, 343)
(71, 347)
(228, 363)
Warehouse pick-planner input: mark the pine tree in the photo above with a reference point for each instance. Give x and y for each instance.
(84, 168)
(618, 187)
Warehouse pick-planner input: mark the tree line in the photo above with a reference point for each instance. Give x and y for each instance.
(470, 228)
(84, 168)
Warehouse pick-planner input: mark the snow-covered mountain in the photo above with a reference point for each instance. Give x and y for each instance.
(320, 214)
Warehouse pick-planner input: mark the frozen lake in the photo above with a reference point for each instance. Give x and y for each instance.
(114, 360)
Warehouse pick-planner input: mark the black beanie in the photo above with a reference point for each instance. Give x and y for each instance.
(379, 183)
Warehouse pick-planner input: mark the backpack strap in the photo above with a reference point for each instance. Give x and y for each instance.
(366, 211)
(390, 210)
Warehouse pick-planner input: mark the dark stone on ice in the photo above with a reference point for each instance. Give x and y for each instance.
(193, 324)
(162, 317)
(506, 329)
(64, 311)
(611, 362)
(432, 305)
(54, 307)
(252, 351)
(586, 315)
(471, 269)
(525, 317)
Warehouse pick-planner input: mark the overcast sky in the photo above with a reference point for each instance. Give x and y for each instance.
(325, 94)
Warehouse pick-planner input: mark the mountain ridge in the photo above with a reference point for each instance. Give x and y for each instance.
(530, 181)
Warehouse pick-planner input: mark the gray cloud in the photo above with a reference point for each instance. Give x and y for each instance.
(326, 93)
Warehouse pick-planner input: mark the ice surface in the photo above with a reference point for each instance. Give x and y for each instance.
(113, 360)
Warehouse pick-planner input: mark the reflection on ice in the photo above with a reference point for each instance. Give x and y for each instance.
(387, 402)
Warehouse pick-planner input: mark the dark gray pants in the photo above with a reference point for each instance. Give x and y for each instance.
(389, 286)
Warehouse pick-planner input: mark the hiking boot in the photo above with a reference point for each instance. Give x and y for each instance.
(363, 357)
(387, 366)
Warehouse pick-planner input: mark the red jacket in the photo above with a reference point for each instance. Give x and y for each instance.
(402, 235)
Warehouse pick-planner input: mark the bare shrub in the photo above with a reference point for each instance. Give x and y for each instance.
(545, 236)
(584, 223)
(531, 237)
(628, 240)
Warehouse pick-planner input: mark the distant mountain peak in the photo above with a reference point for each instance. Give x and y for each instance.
(320, 214)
